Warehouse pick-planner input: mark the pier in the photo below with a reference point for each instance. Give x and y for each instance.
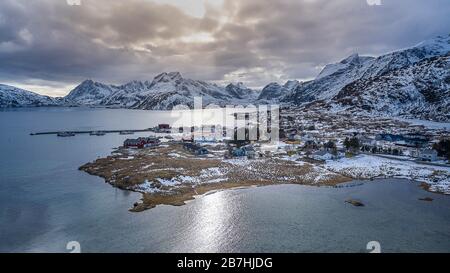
(94, 132)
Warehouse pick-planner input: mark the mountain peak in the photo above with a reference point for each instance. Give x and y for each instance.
(239, 85)
(272, 85)
(167, 77)
(272, 91)
(291, 84)
(239, 90)
(351, 59)
(89, 92)
(86, 82)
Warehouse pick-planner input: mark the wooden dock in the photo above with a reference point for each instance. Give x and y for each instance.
(125, 132)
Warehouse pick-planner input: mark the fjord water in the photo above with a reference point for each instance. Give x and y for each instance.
(45, 202)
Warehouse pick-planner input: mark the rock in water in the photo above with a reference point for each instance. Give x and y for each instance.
(355, 203)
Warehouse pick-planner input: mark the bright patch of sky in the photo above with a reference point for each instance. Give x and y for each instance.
(195, 8)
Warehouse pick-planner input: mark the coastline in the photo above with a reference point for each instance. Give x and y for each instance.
(167, 175)
(170, 175)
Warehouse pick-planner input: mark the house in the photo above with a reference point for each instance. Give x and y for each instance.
(245, 151)
(416, 140)
(133, 143)
(195, 148)
(238, 152)
(428, 155)
(141, 142)
(149, 141)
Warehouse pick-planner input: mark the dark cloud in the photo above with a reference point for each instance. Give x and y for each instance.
(255, 41)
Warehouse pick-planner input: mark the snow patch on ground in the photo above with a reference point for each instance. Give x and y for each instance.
(146, 187)
(174, 155)
(238, 161)
(127, 158)
(211, 175)
(366, 167)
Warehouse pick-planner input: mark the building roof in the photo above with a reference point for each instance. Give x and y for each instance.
(428, 152)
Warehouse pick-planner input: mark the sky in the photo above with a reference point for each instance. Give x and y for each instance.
(48, 46)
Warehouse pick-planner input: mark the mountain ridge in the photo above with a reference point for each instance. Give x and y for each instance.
(415, 79)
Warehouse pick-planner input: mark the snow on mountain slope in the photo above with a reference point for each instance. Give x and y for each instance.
(90, 93)
(173, 81)
(292, 84)
(331, 80)
(15, 97)
(335, 77)
(345, 64)
(421, 90)
(127, 95)
(274, 91)
(402, 58)
(411, 82)
(170, 89)
(239, 91)
(162, 93)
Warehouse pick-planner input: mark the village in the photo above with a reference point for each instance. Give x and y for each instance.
(314, 148)
(318, 136)
(326, 136)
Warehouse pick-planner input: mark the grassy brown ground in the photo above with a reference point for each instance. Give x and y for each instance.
(127, 169)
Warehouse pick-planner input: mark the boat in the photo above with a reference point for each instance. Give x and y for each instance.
(66, 134)
(97, 133)
(126, 132)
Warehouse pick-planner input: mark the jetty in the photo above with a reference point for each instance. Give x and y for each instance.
(93, 132)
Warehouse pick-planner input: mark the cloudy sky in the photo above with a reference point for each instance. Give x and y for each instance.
(48, 46)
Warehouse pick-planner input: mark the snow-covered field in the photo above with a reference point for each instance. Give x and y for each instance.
(366, 166)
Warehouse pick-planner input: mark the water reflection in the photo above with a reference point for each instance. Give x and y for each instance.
(211, 222)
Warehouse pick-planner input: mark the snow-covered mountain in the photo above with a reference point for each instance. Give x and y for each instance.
(274, 91)
(412, 82)
(421, 90)
(15, 97)
(90, 93)
(331, 80)
(170, 89)
(240, 91)
(162, 93)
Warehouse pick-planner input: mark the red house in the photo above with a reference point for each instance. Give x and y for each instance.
(141, 142)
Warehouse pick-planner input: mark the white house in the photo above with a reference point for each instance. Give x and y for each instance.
(428, 155)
